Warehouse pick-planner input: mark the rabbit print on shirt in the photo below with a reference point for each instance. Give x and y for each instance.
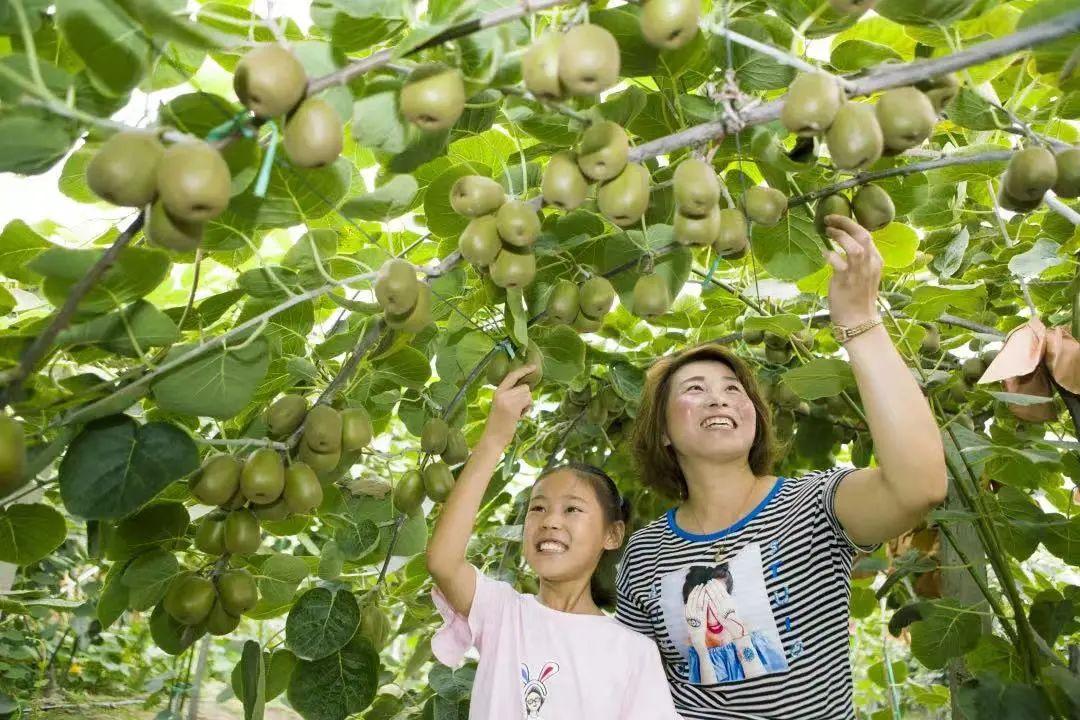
(534, 692)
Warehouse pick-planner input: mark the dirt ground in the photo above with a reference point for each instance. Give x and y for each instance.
(209, 709)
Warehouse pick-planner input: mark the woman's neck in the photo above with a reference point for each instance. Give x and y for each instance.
(571, 596)
(720, 493)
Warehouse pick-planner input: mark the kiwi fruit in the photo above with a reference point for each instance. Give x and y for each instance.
(263, 476)
(1008, 202)
(931, 341)
(242, 532)
(302, 492)
(320, 462)
(416, 319)
(237, 591)
(269, 81)
(409, 492)
(193, 181)
(1068, 173)
(322, 429)
(562, 304)
(374, 625)
(517, 223)
(497, 368)
(854, 138)
(12, 455)
(433, 98)
(540, 67)
(164, 230)
(753, 337)
(596, 296)
(835, 204)
(873, 207)
(124, 171)
(219, 622)
(651, 296)
(434, 436)
(811, 104)
(189, 598)
(776, 341)
(285, 415)
(356, 430)
(476, 195)
(314, 134)
(700, 231)
(438, 481)
(217, 481)
(585, 324)
(696, 188)
(513, 268)
(563, 185)
(396, 287)
(533, 356)
(210, 534)
(764, 205)
(972, 369)
(588, 60)
(940, 90)
(733, 236)
(851, 7)
(624, 199)
(669, 24)
(785, 397)
(1030, 173)
(906, 117)
(457, 449)
(603, 151)
(479, 242)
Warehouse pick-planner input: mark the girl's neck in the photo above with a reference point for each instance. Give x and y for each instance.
(720, 493)
(570, 596)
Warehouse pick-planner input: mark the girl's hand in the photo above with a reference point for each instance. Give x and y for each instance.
(853, 288)
(511, 402)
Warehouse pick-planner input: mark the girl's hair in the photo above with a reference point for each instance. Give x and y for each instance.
(615, 507)
(702, 574)
(656, 461)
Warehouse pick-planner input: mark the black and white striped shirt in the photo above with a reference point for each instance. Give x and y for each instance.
(751, 621)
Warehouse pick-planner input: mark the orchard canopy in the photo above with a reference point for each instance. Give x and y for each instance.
(262, 262)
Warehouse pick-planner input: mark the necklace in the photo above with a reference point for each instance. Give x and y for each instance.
(721, 550)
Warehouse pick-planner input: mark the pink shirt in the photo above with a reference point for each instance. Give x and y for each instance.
(536, 662)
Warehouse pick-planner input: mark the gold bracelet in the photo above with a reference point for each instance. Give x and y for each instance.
(843, 334)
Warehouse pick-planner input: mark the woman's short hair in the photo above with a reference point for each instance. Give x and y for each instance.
(657, 462)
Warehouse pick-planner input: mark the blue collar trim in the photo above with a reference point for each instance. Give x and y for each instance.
(674, 527)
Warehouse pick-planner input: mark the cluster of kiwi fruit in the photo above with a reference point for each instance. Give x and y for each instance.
(599, 404)
(12, 455)
(698, 217)
(500, 233)
(212, 603)
(271, 82)
(327, 431)
(405, 301)
(584, 61)
(435, 480)
(581, 307)
(1034, 170)
(501, 363)
(433, 97)
(779, 348)
(185, 185)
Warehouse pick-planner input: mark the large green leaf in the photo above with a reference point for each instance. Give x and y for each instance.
(563, 351)
(948, 629)
(114, 48)
(135, 273)
(277, 575)
(821, 377)
(217, 384)
(140, 324)
(32, 140)
(321, 623)
(336, 686)
(385, 202)
(790, 250)
(29, 532)
(923, 12)
(161, 524)
(19, 244)
(114, 466)
(148, 576)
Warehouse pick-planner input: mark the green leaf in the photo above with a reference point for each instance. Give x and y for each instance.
(217, 384)
(1062, 538)
(321, 623)
(32, 140)
(390, 200)
(113, 600)
(454, 685)
(948, 629)
(852, 55)
(441, 218)
(1050, 57)
(1042, 256)
(113, 47)
(923, 12)
(161, 524)
(928, 302)
(454, 362)
(140, 323)
(819, 378)
(783, 325)
(114, 466)
(517, 317)
(19, 244)
(336, 686)
(356, 25)
(356, 540)
(791, 250)
(29, 532)
(147, 578)
(253, 675)
(135, 273)
(897, 244)
(277, 575)
(996, 655)
(756, 71)
(563, 351)
(972, 111)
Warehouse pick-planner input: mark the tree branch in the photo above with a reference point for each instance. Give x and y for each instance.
(44, 341)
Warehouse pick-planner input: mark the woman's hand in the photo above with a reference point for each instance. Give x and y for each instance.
(853, 288)
(509, 405)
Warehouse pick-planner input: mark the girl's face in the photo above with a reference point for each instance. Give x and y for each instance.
(565, 528)
(708, 412)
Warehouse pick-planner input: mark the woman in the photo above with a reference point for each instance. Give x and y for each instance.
(759, 564)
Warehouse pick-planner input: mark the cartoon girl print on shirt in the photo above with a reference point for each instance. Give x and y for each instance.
(534, 692)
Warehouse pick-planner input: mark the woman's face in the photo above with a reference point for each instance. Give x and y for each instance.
(709, 413)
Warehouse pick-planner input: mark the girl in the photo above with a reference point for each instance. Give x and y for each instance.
(745, 584)
(554, 654)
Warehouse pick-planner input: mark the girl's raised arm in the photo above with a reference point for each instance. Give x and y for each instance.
(446, 561)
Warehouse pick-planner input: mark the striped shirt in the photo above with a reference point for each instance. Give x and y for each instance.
(751, 621)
